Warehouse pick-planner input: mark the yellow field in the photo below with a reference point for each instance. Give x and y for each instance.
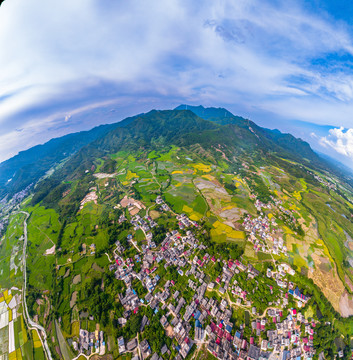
(35, 335)
(125, 183)
(37, 344)
(297, 195)
(18, 354)
(238, 180)
(299, 261)
(294, 207)
(130, 175)
(7, 296)
(177, 172)
(24, 332)
(202, 167)
(195, 216)
(221, 228)
(208, 177)
(229, 207)
(287, 230)
(75, 328)
(187, 209)
(304, 185)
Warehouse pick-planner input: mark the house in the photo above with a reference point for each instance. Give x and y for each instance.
(121, 344)
(131, 345)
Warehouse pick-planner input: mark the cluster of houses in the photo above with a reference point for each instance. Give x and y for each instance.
(3, 224)
(204, 320)
(6, 206)
(327, 184)
(262, 233)
(130, 346)
(90, 342)
(185, 222)
(160, 201)
(286, 337)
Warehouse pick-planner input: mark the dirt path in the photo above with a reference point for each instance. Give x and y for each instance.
(108, 257)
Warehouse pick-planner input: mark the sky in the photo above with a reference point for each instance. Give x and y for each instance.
(71, 65)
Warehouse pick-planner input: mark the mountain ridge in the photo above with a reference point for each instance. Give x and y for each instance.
(30, 165)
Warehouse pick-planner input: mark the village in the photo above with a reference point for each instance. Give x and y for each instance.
(202, 319)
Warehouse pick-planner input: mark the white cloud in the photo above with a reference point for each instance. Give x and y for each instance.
(340, 140)
(214, 52)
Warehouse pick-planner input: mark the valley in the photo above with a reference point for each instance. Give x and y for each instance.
(164, 244)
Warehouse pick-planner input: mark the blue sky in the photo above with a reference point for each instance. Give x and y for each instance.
(71, 65)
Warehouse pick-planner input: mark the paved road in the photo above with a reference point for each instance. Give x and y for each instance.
(31, 324)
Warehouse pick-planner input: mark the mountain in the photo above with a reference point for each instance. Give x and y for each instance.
(143, 209)
(296, 147)
(185, 128)
(219, 115)
(185, 125)
(30, 165)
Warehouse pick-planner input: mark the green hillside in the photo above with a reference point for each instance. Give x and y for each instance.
(225, 178)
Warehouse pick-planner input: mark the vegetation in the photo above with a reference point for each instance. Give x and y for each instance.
(212, 170)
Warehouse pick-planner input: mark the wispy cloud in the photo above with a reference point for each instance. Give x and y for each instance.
(274, 57)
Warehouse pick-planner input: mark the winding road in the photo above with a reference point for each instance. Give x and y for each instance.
(31, 324)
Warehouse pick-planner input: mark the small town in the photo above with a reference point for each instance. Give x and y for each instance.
(201, 312)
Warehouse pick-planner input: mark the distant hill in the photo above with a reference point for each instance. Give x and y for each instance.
(296, 147)
(28, 166)
(184, 126)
